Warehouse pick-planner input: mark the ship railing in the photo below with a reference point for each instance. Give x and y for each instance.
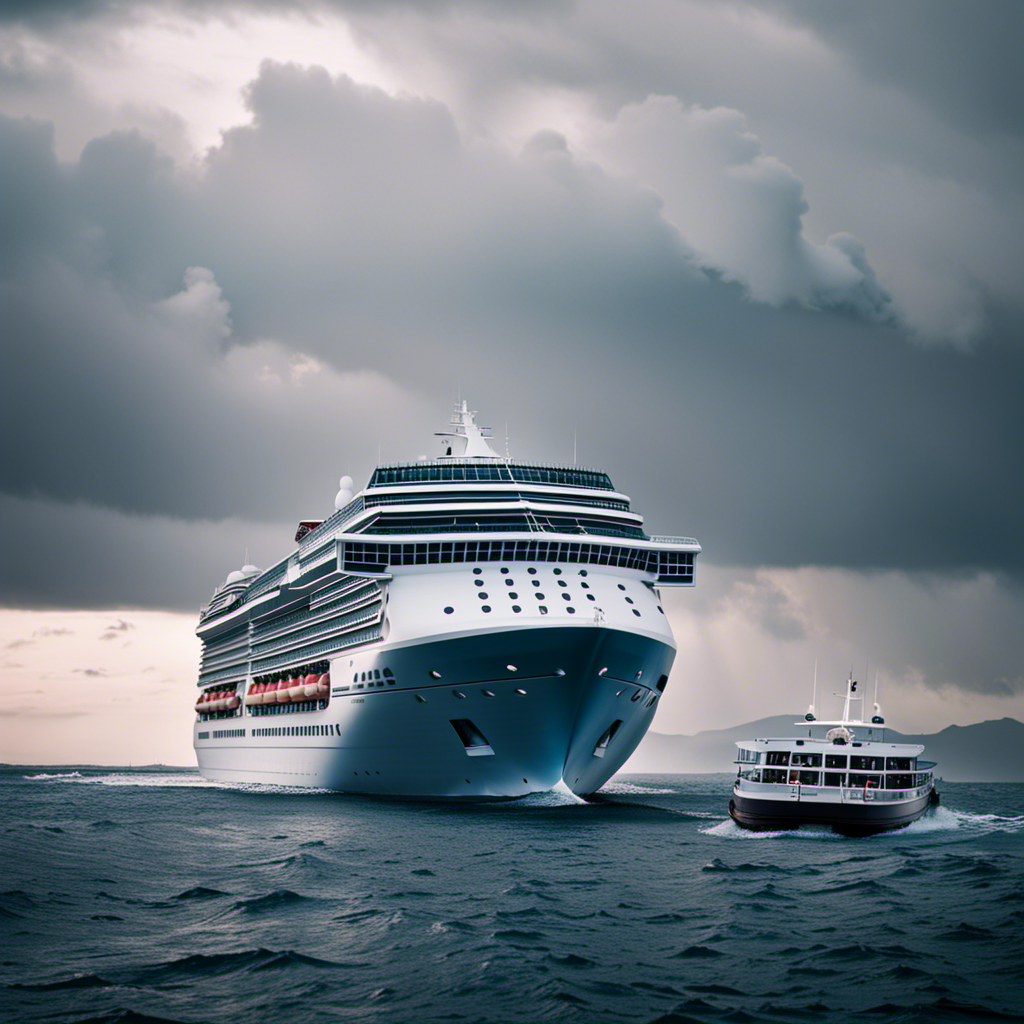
(660, 539)
(493, 497)
(321, 533)
(456, 528)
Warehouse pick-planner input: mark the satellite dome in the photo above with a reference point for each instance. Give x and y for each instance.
(250, 570)
(346, 483)
(235, 577)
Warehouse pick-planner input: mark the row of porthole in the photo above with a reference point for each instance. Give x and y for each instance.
(459, 695)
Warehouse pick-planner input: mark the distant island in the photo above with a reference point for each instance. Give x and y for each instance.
(985, 752)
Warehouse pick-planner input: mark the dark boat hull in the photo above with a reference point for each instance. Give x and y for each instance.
(848, 819)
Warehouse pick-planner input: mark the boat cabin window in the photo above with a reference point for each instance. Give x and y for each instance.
(808, 778)
(898, 764)
(900, 781)
(835, 760)
(807, 760)
(777, 757)
(859, 781)
(833, 778)
(750, 756)
(865, 763)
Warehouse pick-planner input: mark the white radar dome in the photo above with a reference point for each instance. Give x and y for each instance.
(346, 483)
(235, 577)
(250, 570)
(344, 496)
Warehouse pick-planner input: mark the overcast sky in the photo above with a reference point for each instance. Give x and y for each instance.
(764, 260)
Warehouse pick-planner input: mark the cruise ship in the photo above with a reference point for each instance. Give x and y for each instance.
(465, 627)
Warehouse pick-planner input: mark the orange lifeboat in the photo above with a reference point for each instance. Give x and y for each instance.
(323, 686)
(310, 685)
(232, 701)
(251, 696)
(201, 704)
(295, 686)
(283, 695)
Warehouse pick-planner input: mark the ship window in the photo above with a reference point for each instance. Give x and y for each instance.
(376, 673)
(585, 586)
(583, 572)
(434, 674)
(422, 700)
(542, 609)
(520, 691)
(636, 696)
(777, 757)
(504, 570)
(567, 597)
(487, 693)
(459, 694)
(621, 587)
(562, 583)
(448, 610)
(388, 674)
(660, 609)
(532, 572)
(835, 760)
(479, 583)
(571, 610)
(629, 600)
(636, 613)
(477, 571)
(513, 595)
(511, 668)
(482, 595)
(590, 597)
(557, 572)
(536, 583)
(833, 778)
(355, 678)
(485, 607)
(510, 583)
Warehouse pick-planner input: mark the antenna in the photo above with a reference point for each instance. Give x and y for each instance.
(506, 440)
(814, 693)
(574, 444)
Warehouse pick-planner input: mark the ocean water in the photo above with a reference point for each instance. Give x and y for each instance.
(156, 896)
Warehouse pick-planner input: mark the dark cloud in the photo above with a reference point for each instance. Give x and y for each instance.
(187, 353)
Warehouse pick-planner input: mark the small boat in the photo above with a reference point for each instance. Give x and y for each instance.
(837, 773)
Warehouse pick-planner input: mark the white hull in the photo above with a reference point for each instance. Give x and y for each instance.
(399, 741)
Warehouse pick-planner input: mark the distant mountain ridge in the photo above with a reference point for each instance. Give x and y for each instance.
(990, 751)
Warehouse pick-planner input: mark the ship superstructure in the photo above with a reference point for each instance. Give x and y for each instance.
(464, 627)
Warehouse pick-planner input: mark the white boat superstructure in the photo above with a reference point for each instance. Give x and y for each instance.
(838, 773)
(465, 627)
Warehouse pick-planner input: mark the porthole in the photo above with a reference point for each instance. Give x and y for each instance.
(562, 583)
(520, 691)
(516, 608)
(603, 671)
(585, 586)
(621, 587)
(511, 668)
(629, 600)
(559, 671)
(504, 570)
(485, 607)
(557, 572)
(636, 613)
(536, 583)
(542, 609)
(448, 610)
(487, 693)
(636, 696)
(590, 597)
(477, 571)
(459, 694)
(422, 700)
(513, 595)
(434, 674)
(479, 583)
(583, 572)
(660, 609)
(482, 595)
(532, 571)
(539, 596)
(571, 610)
(567, 597)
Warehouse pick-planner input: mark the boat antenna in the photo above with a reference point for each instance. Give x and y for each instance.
(574, 444)
(506, 441)
(814, 693)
